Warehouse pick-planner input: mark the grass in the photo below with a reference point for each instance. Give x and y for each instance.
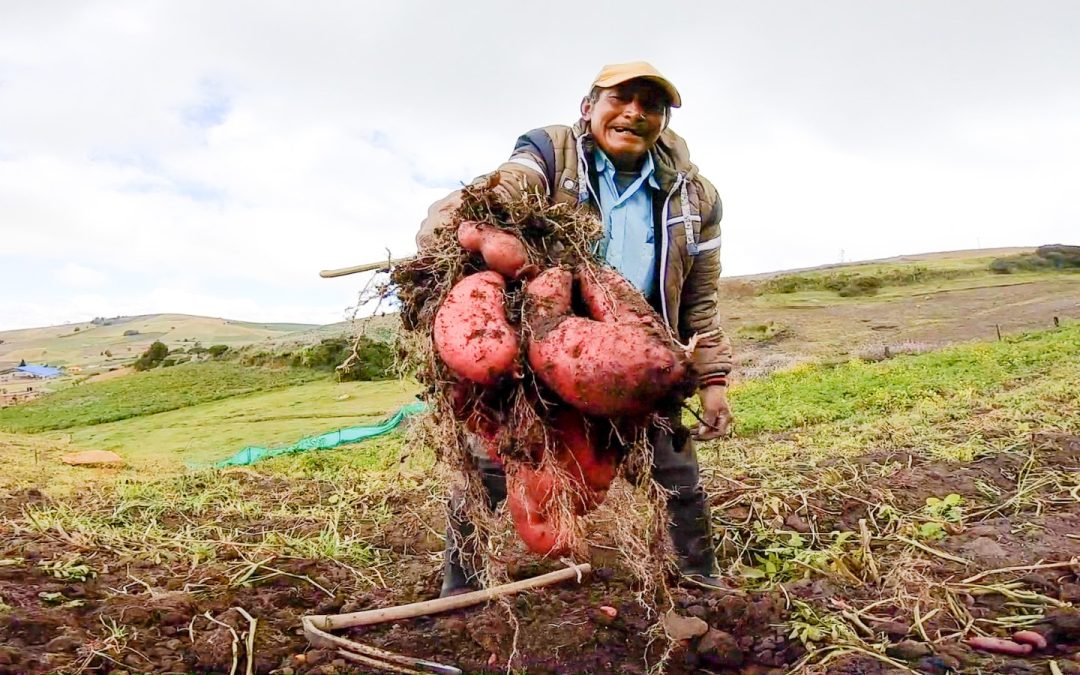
(146, 393)
(860, 391)
(868, 279)
(166, 443)
(212, 431)
(975, 279)
(763, 332)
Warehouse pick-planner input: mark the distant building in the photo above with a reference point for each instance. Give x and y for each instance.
(43, 372)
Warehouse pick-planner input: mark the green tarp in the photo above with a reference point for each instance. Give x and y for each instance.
(330, 439)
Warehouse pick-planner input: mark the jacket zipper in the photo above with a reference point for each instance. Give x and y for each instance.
(664, 215)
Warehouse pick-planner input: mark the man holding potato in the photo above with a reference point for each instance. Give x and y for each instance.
(662, 233)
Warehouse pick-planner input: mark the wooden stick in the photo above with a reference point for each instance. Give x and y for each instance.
(375, 663)
(317, 625)
(371, 616)
(387, 660)
(366, 267)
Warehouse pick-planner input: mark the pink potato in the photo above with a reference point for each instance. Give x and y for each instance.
(999, 646)
(548, 296)
(501, 250)
(591, 466)
(606, 369)
(528, 492)
(619, 364)
(472, 334)
(610, 298)
(1030, 637)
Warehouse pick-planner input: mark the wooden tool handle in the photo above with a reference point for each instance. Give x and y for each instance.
(366, 267)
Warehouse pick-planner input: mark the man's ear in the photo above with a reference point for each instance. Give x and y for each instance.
(586, 108)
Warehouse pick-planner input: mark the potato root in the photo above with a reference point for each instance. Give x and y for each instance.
(472, 335)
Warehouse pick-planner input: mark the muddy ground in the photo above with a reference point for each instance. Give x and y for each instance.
(162, 613)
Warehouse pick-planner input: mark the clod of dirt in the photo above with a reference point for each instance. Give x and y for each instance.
(985, 548)
(62, 643)
(909, 650)
(896, 630)
(1069, 593)
(1068, 667)
(718, 649)
(796, 522)
(940, 664)
(683, 627)
(1065, 624)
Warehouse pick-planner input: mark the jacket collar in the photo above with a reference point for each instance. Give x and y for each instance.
(670, 156)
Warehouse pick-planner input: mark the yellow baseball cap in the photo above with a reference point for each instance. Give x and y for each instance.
(617, 73)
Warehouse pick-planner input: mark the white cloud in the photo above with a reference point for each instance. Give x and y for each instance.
(74, 274)
(222, 153)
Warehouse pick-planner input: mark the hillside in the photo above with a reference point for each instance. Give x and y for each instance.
(103, 344)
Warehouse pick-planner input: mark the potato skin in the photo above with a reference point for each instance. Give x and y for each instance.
(471, 333)
(612, 299)
(591, 466)
(502, 251)
(528, 492)
(606, 369)
(999, 646)
(548, 296)
(1030, 637)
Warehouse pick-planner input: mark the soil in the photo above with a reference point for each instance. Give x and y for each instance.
(158, 613)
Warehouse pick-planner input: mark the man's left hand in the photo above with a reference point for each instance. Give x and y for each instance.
(715, 412)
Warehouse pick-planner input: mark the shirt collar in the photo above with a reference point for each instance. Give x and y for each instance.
(604, 165)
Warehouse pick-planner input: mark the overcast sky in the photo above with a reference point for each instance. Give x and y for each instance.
(211, 157)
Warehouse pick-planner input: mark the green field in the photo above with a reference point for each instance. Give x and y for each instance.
(170, 419)
(212, 431)
(857, 391)
(147, 393)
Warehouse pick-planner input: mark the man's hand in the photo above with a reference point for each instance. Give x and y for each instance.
(715, 412)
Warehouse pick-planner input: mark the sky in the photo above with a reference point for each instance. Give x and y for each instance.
(211, 157)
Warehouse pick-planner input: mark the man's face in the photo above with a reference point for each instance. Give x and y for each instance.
(626, 120)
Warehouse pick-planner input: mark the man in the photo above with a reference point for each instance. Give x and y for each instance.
(662, 232)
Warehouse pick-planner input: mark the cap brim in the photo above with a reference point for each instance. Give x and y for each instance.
(669, 88)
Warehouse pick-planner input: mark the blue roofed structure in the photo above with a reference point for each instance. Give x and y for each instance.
(39, 371)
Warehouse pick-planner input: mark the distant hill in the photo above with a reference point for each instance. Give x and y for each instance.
(104, 343)
(960, 299)
(937, 256)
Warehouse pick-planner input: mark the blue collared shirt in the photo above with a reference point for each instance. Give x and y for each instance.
(628, 222)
